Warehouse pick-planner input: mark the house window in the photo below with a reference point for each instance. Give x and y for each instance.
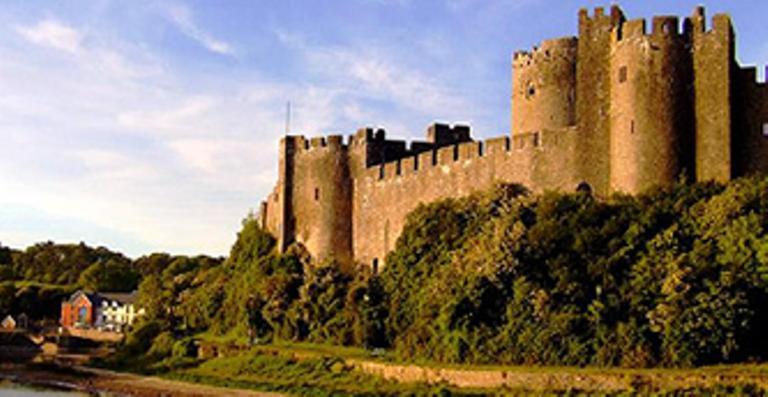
(536, 139)
(622, 74)
(375, 265)
(82, 315)
(765, 130)
(317, 194)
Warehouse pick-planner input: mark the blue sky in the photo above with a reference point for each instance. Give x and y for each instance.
(153, 125)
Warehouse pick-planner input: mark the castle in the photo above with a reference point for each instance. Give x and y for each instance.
(617, 108)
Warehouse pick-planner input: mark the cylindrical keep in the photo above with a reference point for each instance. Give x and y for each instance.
(543, 87)
(650, 109)
(322, 205)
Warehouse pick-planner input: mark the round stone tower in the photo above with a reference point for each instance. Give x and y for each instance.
(651, 116)
(322, 199)
(543, 87)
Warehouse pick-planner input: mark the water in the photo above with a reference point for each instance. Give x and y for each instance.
(14, 390)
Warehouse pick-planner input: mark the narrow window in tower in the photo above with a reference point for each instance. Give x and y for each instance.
(375, 265)
(622, 74)
(536, 139)
(530, 92)
(765, 130)
(317, 194)
(632, 127)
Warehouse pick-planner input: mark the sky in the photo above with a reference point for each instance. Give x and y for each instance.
(153, 126)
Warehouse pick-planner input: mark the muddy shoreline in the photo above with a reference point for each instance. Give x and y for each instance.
(98, 382)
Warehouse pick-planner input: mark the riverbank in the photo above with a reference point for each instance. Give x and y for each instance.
(346, 370)
(97, 382)
(325, 370)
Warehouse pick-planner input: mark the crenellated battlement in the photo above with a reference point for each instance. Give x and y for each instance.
(460, 154)
(374, 146)
(664, 29)
(546, 51)
(599, 15)
(697, 23)
(600, 20)
(665, 26)
(300, 144)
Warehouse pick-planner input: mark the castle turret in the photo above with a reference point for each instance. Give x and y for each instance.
(651, 121)
(317, 197)
(544, 87)
(275, 212)
(593, 95)
(714, 66)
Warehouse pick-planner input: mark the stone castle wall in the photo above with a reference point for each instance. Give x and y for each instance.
(751, 120)
(385, 195)
(621, 108)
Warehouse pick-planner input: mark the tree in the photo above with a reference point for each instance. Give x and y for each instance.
(109, 276)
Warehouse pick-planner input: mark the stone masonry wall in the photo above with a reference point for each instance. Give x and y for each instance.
(713, 63)
(544, 87)
(650, 106)
(751, 117)
(385, 195)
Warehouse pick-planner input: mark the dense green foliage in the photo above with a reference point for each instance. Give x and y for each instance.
(6, 263)
(255, 295)
(35, 280)
(69, 264)
(38, 301)
(674, 277)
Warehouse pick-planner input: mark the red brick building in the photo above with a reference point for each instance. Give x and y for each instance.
(79, 310)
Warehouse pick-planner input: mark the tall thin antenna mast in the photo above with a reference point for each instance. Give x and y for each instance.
(288, 118)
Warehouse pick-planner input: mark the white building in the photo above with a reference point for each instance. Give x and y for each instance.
(116, 311)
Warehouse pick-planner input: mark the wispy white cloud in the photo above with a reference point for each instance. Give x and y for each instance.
(181, 16)
(53, 34)
(116, 140)
(139, 150)
(380, 75)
